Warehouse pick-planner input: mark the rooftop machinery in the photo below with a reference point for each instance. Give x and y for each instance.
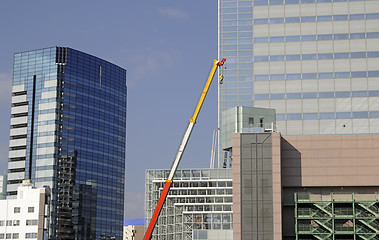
(182, 147)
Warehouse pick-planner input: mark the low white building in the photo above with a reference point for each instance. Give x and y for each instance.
(27, 216)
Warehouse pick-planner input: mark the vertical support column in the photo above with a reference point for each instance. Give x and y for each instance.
(32, 128)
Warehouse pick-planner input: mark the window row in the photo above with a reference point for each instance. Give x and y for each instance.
(227, 4)
(302, 38)
(18, 210)
(325, 75)
(310, 95)
(326, 115)
(31, 222)
(9, 235)
(280, 2)
(320, 56)
(344, 17)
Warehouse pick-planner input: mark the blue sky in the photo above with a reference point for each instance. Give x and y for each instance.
(167, 48)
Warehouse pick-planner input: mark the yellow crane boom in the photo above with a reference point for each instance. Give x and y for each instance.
(182, 147)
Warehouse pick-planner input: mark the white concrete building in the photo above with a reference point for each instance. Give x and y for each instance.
(27, 216)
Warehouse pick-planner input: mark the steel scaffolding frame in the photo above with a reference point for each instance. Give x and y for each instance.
(337, 216)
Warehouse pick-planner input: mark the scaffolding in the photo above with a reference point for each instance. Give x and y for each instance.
(337, 216)
(199, 200)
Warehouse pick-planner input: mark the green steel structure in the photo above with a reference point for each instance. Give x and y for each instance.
(337, 216)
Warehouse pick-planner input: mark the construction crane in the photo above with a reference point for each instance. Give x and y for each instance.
(182, 147)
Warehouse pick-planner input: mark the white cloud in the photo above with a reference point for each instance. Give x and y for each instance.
(172, 13)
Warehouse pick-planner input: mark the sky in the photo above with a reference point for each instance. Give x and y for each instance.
(167, 48)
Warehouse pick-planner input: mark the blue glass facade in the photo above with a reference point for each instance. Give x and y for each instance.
(69, 104)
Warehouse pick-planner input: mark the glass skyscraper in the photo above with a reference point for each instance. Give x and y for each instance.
(315, 61)
(68, 131)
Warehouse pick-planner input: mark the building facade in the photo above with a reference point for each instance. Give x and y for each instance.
(134, 229)
(68, 129)
(198, 205)
(27, 216)
(316, 62)
(3, 186)
(305, 187)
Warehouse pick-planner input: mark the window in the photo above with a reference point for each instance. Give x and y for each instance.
(325, 56)
(309, 116)
(15, 236)
(30, 235)
(342, 75)
(358, 55)
(293, 76)
(9, 222)
(327, 115)
(357, 35)
(309, 56)
(357, 16)
(292, 38)
(277, 58)
(1, 224)
(8, 236)
(276, 20)
(372, 16)
(308, 19)
(30, 209)
(340, 17)
(261, 21)
(341, 55)
(16, 210)
(309, 76)
(2, 235)
(292, 96)
(277, 95)
(343, 115)
(324, 18)
(277, 77)
(360, 114)
(16, 222)
(292, 19)
(341, 36)
(325, 75)
(251, 121)
(373, 35)
(276, 39)
(292, 57)
(31, 222)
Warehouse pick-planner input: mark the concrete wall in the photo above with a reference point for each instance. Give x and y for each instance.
(340, 160)
(253, 187)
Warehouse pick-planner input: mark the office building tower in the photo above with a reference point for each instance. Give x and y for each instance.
(68, 131)
(316, 62)
(198, 205)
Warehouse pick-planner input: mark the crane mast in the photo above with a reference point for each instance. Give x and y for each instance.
(182, 147)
